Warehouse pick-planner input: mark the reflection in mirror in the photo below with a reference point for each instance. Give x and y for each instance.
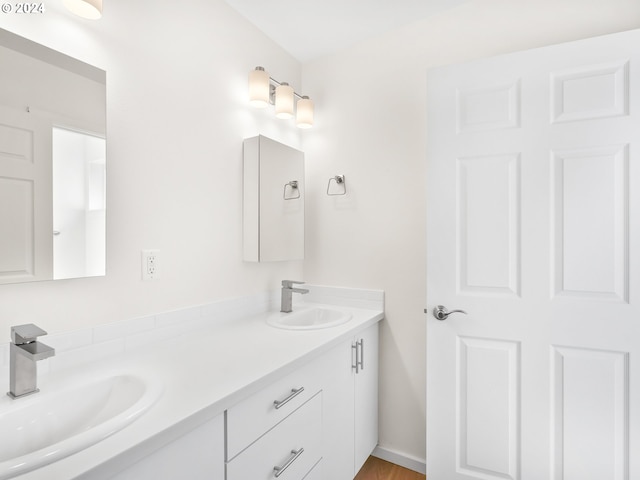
(78, 204)
(52, 164)
(273, 208)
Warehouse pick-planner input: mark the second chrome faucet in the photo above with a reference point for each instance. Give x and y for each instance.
(25, 351)
(287, 293)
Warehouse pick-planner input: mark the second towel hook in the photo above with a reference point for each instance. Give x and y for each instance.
(293, 184)
(339, 180)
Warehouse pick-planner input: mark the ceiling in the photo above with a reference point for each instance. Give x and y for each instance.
(309, 29)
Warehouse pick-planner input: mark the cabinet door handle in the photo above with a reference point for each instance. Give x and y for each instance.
(294, 456)
(354, 357)
(294, 393)
(358, 347)
(361, 344)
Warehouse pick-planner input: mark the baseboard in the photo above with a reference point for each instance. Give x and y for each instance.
(402, 459)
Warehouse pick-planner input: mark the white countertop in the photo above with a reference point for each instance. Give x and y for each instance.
(204, 372)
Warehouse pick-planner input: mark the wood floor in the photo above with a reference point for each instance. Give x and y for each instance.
(376, 469)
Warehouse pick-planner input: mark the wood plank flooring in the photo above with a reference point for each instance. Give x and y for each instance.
(376, 469)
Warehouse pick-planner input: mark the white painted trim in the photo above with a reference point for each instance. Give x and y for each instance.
(404, 460)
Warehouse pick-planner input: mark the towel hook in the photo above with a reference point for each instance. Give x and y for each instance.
(340, 180)
(294, 188)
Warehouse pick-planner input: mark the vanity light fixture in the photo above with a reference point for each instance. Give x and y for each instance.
(259, 88)
(284, 101)
(304, 112)
(264, 90)
(91, 9)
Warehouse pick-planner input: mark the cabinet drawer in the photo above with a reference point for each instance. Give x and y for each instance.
(315, 473)
(300, 430)
(255, 415)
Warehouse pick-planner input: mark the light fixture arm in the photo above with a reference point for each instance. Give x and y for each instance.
(273, 83)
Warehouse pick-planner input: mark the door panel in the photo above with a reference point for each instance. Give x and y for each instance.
(488, 414)
(591, 384)
(533, 221)
(488, 225)
(16, 210)
(26, 242)
(591, 92)
(590, 216)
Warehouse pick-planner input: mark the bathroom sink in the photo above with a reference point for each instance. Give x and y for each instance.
(309, 318)
(48, 426)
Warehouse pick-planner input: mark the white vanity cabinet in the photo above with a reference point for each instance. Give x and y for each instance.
(198, 455)
(329, 408)
(318, 422)
(350, 397)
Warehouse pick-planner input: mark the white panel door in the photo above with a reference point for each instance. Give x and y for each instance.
(534, 230)
(26, 231)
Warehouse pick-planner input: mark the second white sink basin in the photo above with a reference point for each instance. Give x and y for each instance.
(48, 426)
(309, 318)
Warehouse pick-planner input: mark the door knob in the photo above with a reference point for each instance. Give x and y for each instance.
(441, 312)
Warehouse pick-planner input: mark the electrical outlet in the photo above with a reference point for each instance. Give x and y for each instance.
(150, 264)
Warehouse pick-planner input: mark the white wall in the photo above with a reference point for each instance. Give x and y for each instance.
(176, 117)
(371, 126)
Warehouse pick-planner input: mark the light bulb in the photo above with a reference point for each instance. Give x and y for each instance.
(259, 88)
(284, 101)
(91, 9)
(304, 113)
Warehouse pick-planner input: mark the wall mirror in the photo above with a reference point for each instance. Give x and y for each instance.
(273, 207)
(52, 164)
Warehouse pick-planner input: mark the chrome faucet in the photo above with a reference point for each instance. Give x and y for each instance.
(287, 292)
(24, 352)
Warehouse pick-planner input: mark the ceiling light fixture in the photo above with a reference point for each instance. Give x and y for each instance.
(264, 90)
(91, 9)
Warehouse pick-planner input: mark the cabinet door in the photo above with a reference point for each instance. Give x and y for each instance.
(316, 472)
(338, 419)
(366, 397)
(350, 406)
(198, 455)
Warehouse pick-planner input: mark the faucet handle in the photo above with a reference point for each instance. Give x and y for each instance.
(27, 333)
(291, 283)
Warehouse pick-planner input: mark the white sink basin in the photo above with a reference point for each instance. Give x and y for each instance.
(48, 426)
(309, 318)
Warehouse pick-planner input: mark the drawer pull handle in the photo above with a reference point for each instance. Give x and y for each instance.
(294, 456)
(294, 393)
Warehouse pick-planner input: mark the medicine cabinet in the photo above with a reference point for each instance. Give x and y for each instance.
(273, 201)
